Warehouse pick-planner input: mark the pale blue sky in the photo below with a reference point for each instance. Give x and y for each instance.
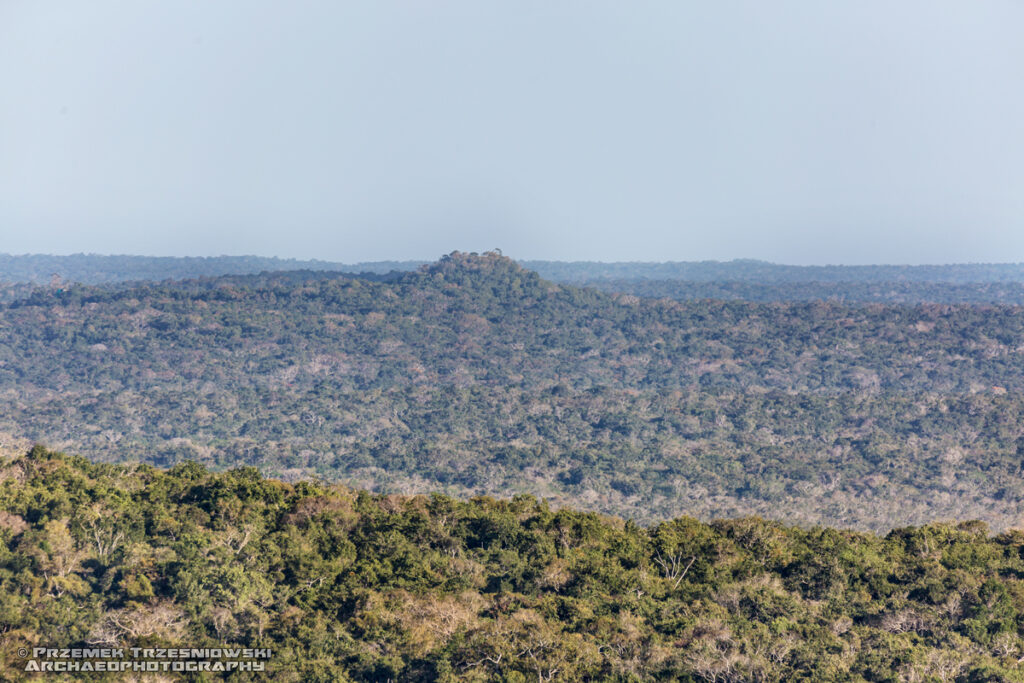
(797, 132)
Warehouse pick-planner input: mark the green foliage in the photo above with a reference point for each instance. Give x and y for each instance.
(353, 586)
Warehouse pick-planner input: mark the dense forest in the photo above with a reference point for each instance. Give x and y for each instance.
(474, 376)
(344, 585)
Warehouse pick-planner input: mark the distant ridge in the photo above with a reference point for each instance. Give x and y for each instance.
(101, 269)
(94, 269)
(748, 270)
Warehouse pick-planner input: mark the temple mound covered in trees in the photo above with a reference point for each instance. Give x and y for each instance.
(344, 585)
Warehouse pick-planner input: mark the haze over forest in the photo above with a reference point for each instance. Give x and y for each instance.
(807, 133)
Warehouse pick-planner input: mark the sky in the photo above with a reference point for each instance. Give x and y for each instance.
(798, 132)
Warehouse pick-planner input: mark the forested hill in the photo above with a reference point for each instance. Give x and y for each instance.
(97, 269)
(739, 279)
(474, 375)
(341, 585)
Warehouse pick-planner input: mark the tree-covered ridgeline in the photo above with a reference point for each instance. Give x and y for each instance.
(345, 585)
(93, 269)
(745, 280)
(868, 291)
(476, 376)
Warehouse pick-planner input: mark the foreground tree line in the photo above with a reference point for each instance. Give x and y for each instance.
(344, 585)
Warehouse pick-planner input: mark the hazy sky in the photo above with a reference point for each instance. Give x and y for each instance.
(797, 132)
